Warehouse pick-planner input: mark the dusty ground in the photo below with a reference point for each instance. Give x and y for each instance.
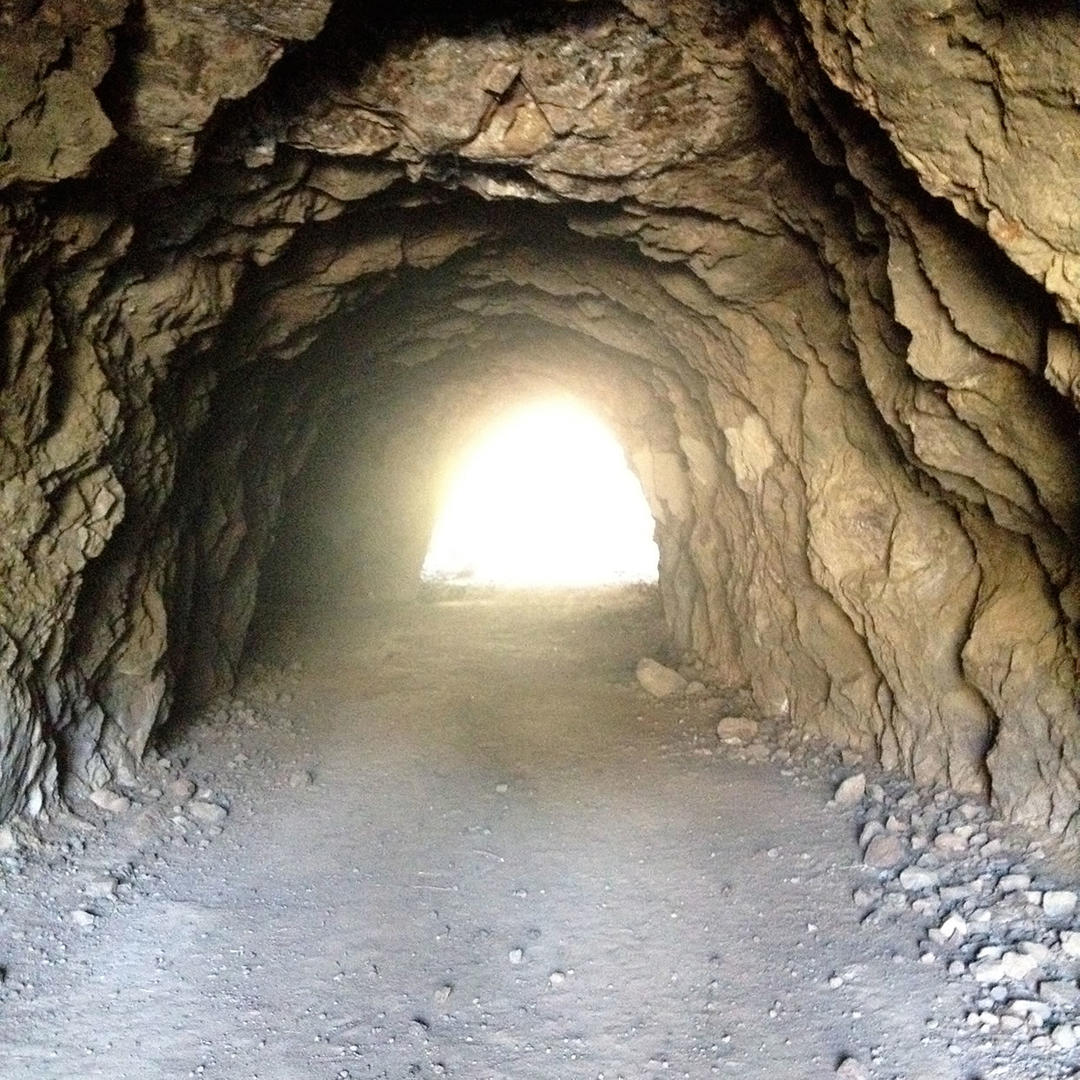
(461, 841)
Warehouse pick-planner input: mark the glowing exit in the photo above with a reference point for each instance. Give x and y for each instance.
(545, 498)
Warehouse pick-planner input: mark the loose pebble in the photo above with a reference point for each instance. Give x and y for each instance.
(1058, 903)
(102, 888)
(884, 852)
(180, 790)
(915, 878)
(657, 679)
(209, 813)
(110, 801)
(736, 729)
(849, 792)
(851, 1069)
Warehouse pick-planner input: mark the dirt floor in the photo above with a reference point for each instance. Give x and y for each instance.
(461, 841)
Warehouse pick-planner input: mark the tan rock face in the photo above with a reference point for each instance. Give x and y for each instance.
(263, 272)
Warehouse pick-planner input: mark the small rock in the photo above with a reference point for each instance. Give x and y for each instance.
(953, 927)
(850, 1069)
(1059, 902)
(850, 791)
(208, 813)
(1017, 965)
(1063, 992)
(516, 956)
(1064, 1037)
(102, 888)
(502, 789)
(7, 839)
(1070, 944)
(951, 894)
(111, 801)
(950, 843)
(1014, 883)
(869, 831)
(658, 680)
(1023, 1008)
(181, 790)
(987, 971)
(557, 978)
(442, 995)
(915, 878)
(82, 917)
(696, 688)
(301, 778)
(884, 852)
(1035, 949)
(736, 729)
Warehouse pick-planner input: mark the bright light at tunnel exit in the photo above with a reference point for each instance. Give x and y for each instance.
(544, 498)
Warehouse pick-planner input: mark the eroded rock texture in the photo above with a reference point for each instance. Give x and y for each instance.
(816, 264)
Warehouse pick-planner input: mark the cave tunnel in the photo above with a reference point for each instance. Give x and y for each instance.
(268, 273)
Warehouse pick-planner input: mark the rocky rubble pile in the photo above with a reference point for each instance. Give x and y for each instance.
(994, 912)
(990, 904)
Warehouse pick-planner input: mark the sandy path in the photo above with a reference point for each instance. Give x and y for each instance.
(510, 864)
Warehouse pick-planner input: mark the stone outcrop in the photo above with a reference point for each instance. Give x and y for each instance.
(264, 270)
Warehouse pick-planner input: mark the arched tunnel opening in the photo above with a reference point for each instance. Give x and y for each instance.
(543, 498)
(268, 281)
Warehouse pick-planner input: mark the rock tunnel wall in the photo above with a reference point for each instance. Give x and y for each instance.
(816, 265)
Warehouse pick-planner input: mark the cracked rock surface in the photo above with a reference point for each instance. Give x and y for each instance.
(814, 262)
